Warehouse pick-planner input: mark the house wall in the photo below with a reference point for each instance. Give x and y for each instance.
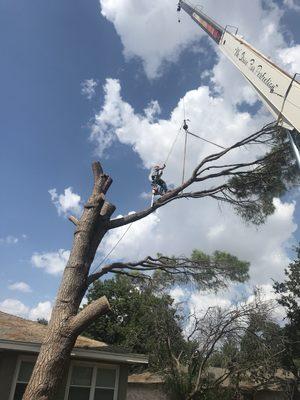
(138, 391)
(8, 362)
(8, 365)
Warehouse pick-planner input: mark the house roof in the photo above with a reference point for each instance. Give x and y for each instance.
(22, 330)
(19, 334)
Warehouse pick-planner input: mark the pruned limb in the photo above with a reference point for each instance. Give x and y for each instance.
(200, 271)
(74, 220)
(254, 171)
(97, 170)
(107, 210)
(89, 314)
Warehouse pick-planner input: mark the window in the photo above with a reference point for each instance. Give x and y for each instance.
(89, 382)
(24, 373)
(86, 381)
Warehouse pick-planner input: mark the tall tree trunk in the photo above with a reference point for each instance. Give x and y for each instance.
(66, 323)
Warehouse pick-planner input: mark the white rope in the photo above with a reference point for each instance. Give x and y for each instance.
(113, 248)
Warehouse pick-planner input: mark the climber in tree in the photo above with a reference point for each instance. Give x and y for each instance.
(159, 186)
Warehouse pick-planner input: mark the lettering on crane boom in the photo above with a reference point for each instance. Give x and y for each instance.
(275, 87)
(256, 68)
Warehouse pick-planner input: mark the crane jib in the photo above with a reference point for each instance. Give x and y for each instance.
(279, 91)
(214, 30)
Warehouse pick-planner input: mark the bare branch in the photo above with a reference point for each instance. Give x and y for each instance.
(254, 167)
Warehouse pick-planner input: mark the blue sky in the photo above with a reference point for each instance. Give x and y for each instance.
(49, 48)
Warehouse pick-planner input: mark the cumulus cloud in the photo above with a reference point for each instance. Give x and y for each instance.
(200, 302)
(21, 287)
(88, 88)
(291, 58)
(66, 203)
(9, 240)
(41, 311)
(150, 32)
(53, 263)
(292, 5)
(132, 243)
(16, 307)
(177, 294)
(180, 227)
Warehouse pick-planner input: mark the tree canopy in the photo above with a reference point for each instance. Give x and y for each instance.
(140, 301)
(289, 292)
(133, 320)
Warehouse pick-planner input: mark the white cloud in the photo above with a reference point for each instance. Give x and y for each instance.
(66, 203)
(266, 294)
(88, 88)
(291, 58)
(9, 240)
(152, 110)
(41, 311)
(53, 263)
(292, 5)
(149, 30)
(21, 287)
(177, 294)
(182, 226)
(16, 307)
(132, 243)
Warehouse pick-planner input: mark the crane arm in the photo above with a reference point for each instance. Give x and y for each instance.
(279, 91)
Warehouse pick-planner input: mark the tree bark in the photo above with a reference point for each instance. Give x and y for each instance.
(66, 323)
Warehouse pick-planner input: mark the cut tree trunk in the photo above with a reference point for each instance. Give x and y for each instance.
(66, 323)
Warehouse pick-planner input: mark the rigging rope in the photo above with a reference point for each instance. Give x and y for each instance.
(113, 248)
(173, 144)
(184, 154)
(206, 140)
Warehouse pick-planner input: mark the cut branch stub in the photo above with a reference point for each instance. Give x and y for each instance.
(89, 314)
(107, 210)
(97, 171)
(73, 220)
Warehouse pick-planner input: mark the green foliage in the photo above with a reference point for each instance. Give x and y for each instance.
(42, 321)
(289, 292)
(236, 270)
(134, 321)
(202, 271)
(256, 190)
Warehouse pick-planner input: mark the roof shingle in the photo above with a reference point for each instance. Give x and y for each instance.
(23, 330)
